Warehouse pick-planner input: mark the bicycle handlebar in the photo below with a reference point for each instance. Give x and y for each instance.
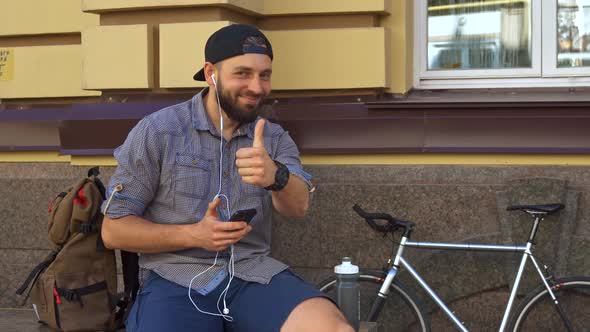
(391, 224)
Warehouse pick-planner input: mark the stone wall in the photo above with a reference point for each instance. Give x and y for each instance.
(465, 204)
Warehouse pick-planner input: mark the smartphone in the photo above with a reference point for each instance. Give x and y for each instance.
(243, 215)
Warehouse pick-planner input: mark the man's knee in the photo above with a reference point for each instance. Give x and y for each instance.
(316, 314)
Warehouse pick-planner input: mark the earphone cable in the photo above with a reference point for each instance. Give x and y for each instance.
(219, 194)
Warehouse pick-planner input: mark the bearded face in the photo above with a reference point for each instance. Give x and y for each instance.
(243, 82)
(241, 112)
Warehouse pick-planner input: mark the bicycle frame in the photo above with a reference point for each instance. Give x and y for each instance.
(399, 260)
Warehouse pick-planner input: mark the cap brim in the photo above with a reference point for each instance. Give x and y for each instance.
(200, 75)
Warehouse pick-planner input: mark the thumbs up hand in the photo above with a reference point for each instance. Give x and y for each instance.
(254, 164)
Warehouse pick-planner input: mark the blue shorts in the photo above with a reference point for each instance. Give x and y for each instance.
(162, 305)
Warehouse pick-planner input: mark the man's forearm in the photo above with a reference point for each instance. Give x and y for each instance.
(136, 234)
(293, 200)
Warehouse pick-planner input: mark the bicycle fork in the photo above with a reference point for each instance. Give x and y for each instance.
(384, 290)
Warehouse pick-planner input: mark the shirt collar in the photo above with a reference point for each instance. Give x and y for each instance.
(247, 129)
(198, 114)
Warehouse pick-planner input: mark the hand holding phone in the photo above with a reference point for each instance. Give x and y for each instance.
(243, 215)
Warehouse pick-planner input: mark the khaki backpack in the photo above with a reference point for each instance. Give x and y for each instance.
(75, 287)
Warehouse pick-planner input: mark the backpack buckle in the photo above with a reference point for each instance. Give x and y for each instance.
(72, 295)
(87, 228)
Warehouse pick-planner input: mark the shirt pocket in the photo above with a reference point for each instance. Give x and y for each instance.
(193, 176)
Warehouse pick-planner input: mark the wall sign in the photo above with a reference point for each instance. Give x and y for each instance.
(6, 64)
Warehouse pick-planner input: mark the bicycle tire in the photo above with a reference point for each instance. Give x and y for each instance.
(538, 313)
(402, 310)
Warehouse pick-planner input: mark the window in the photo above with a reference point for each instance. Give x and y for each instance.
(502, 43)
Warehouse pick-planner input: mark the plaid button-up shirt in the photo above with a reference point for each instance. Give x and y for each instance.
(170, 169)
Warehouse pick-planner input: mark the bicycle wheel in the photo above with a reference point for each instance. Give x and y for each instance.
(401, 312)
(537, 312)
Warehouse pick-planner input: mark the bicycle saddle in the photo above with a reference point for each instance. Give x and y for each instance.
(538, 209)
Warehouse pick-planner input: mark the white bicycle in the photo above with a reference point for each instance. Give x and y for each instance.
(555, 305)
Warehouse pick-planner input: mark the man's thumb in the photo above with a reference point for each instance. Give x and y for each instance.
(259, 134)
(212, 209)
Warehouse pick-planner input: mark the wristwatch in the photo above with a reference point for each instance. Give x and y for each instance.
(281, 177)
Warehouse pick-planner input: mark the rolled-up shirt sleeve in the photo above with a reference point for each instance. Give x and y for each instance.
(137, 173)
(288, 154)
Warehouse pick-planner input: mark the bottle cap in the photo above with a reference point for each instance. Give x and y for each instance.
(346, 267)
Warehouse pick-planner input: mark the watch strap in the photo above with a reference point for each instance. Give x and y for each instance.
(281, 177)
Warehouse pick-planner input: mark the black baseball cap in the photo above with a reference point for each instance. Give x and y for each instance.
(234, 40)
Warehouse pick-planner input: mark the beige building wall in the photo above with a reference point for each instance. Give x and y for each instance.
(180, 59)
(310, 58)
(45, 71)
(43, 40)
(152, 44)
(30, 17)
(316, 59)
(118, 57)
(399, 46)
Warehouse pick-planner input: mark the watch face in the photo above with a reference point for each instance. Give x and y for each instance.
(281, 177)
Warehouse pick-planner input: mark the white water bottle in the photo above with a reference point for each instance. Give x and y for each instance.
(348, 291)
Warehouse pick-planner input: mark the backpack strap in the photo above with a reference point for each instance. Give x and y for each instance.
(34, 275)
(93, 173)
(77, 293)
(95, 224)
(130, 262)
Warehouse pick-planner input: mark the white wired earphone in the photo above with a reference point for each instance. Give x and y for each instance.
(225, 313)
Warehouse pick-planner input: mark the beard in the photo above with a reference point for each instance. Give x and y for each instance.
(230, 105)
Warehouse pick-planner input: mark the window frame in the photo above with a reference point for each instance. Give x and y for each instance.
(543, 73)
